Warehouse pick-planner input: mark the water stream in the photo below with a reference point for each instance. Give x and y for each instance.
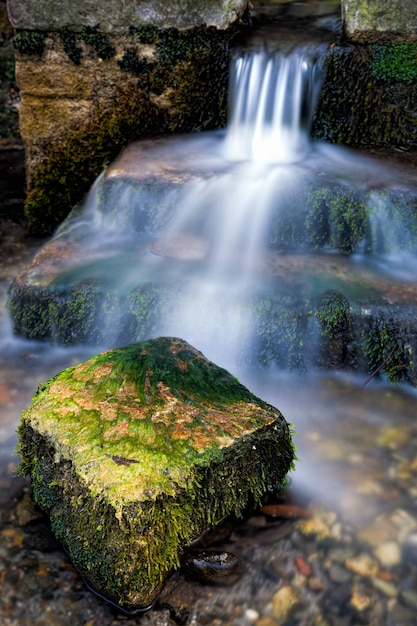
(357, 444)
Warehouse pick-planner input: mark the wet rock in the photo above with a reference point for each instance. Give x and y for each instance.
(183, 247)
(26, 511)
(213, 567)
(360, 601)
(284, 603)
(409, 549)
(138, 452)
(388, 554)
(339, 574)
(385, 587)
(409, 598)
(363, 565)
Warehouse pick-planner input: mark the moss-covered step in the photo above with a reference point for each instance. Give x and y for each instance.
(369, 94)
(139, 451)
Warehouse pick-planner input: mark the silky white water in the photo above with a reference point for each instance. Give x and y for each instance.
(207, 214)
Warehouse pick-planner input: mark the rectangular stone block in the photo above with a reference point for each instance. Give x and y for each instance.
(138, 452)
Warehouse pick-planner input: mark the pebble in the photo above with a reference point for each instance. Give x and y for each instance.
(213, 567)
(409, 549)
(388, 554)
(363, 565)
(251, 615)
(360, 601)
(409, 598)
(388, 589)
(339, 574)
(314, 526)
(284, 603)
(266, 621)
(381, 530)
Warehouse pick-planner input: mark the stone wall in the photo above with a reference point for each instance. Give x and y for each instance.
(96, 74)
(119, 15)
(371, 21)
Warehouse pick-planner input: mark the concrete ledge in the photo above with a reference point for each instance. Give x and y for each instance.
(119, 16)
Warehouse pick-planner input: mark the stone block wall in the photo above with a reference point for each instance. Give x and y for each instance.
(370, 21)
(95, 74)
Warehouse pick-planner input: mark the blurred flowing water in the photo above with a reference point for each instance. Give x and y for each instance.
(356, 444)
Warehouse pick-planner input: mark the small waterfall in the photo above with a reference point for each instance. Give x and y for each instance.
(272, 102)
(224, 238)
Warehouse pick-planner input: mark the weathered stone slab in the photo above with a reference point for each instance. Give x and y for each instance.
(378, 20)
(111, 15)
(139, 451)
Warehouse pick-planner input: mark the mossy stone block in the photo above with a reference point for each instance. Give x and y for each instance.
(140, 450)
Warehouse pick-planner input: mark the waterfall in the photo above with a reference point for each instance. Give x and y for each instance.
(229, 238)
(272, 100)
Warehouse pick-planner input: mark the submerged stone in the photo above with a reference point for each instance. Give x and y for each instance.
(213, 567)
(138, 452)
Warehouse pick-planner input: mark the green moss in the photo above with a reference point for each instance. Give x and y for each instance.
(100, 42)
(281, 330)
(30, 42)
(72, 164)
(336, 217)
(69, 41)
(134, 454)
(131, 63)
(361, 108)
(147, 33)
(394, 62)
(91, 36)
(191, 66)
(389, 344)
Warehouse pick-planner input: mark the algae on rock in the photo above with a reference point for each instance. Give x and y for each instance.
(139, 451)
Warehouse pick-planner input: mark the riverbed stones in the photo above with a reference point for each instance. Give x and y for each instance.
(141, 450)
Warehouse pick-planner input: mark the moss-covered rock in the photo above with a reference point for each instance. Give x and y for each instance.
(138, 451)
(163, 81)
(379, 20)
(369, 95)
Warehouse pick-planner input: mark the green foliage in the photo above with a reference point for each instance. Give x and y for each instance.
(30, 42)
(394, 62)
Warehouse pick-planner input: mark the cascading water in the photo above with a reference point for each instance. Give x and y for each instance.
(273, 97)
(203, 231)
